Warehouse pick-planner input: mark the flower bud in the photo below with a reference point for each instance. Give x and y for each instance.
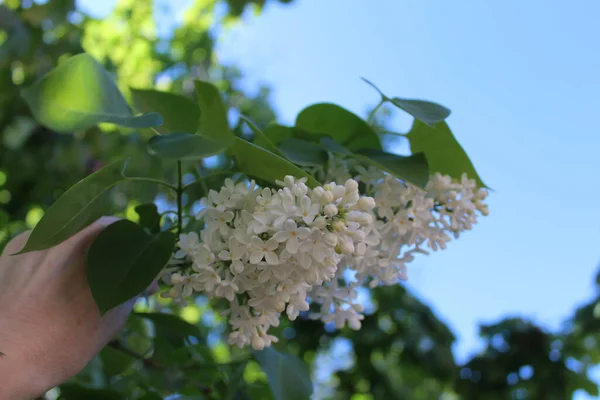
(359, 216)
(338, 226)
(347, 247)
(330, 210)
(331, 239)
(257, 342)
(320, 222)
(366, 203)
(351, 185)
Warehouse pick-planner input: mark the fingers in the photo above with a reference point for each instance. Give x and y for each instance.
(84, 238)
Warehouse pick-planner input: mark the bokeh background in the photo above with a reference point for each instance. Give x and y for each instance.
(509, 311)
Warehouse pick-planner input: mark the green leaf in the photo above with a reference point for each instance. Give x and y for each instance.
(180, 114)
(302, 152)
(186, 146)
(124, 260)
(82, 204)
(412, 169)
(425, 111)
(149, 217)
(331, 145)
(276, 133)
(79, 94)
(173, 325)
(260, 139)
(262, 164)
(288, 376)
(115, 362)
(75, 392)
(213, 114)
(443, 152)
(342, 125)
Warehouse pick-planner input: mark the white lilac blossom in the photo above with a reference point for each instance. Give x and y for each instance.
(268, 251)
(264, 249)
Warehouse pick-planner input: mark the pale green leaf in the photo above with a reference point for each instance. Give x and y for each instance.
(443, 152)
(79, 94)
(180, 114)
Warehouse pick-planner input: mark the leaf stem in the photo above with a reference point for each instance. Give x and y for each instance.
(371, 117)
(157, 181)
(179, 199)
(392, 133)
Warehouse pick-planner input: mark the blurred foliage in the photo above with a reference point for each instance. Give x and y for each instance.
(404, 351)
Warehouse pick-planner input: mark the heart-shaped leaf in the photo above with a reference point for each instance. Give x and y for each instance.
(179, 113)
(425, 111)
(79, 94)
(342, 125)
(82, 204)
(412, 169)
(262, 164)
(123, 261)
(187, 146)
(302, 152)
(443, 152)
(288, 376)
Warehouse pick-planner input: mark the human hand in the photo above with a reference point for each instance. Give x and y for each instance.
(50, 326)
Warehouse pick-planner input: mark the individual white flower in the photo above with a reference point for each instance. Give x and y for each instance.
(308, 211)
(188, 245)
(291, 234)
(220, 220)
(260, 249)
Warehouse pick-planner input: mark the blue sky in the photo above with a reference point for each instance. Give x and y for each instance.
(522, 81)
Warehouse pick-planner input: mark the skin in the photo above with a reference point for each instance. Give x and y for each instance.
(50, 326)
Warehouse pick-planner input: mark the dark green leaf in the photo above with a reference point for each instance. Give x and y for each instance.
(260, 139)
(173, 325)
(302, 152)
(123, 261)
(76, 392)
(276, 133)
(179, 113)
(186, 146)
(288, 376)
(151, 396)
(425, 111)
(82, 204)
(79, 94)
(262, 164)
(331, 145)
(115, 362)
(412, 169)
(342, 125)
(443, 152)
(149, 217)
(213, 114)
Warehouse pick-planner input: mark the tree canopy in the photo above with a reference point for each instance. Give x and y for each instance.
(403, 350)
